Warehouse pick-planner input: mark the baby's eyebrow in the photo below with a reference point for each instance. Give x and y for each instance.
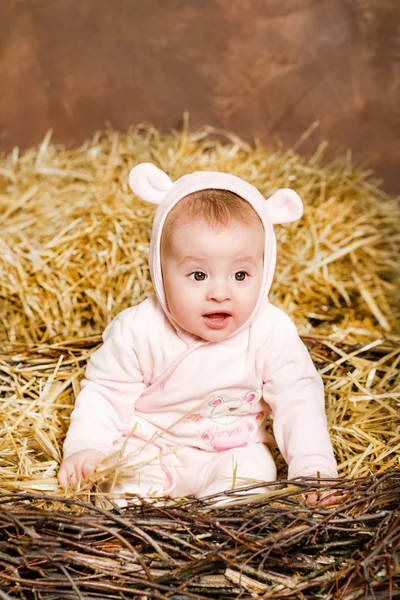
(241, 259)
(186, 259)
(244, 259)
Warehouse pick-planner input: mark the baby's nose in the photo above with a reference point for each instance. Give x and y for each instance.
(219, 293)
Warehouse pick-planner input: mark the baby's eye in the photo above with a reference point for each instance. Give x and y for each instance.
(241, 275)
(198, 276)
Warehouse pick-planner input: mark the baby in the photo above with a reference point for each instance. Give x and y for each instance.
(184, 381)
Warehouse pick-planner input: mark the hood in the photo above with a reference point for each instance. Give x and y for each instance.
(151, 184)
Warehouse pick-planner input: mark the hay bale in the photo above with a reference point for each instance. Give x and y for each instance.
(74, 244)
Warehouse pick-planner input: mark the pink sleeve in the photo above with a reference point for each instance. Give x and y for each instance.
(294, 390)
(104, 408)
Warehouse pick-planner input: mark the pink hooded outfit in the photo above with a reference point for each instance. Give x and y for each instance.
(189, 415)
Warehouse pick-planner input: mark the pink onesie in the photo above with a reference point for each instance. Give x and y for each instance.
(188, 416)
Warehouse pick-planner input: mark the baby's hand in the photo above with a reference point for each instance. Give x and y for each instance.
(326, 498)
(79, 466)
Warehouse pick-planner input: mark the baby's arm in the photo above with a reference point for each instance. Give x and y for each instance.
(294, 390)
(104, 408)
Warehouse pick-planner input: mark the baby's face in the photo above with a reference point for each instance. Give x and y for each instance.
(212, 277)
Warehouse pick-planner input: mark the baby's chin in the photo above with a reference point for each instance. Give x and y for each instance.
(213, 335)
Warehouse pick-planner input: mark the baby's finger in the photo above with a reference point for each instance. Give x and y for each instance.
(62, 477)
(88, 468)
(71, 475)
(328, 498)
(311, 498)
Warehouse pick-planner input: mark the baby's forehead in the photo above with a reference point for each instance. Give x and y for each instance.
(204, 226)
(232, 241)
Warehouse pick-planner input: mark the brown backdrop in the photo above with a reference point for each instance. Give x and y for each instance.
(264, 68)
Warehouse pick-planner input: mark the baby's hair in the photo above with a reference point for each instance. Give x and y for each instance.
(214, 207)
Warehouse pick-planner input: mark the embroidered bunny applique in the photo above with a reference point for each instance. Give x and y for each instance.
(234, 420)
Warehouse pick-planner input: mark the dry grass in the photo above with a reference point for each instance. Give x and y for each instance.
(73, 253)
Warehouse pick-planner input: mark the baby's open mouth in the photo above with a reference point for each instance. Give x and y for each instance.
(217, 320)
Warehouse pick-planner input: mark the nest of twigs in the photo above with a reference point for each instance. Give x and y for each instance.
(73, 253)
(271, 546)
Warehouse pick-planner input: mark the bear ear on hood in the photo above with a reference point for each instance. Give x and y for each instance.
(149, 183)
(284, 206)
